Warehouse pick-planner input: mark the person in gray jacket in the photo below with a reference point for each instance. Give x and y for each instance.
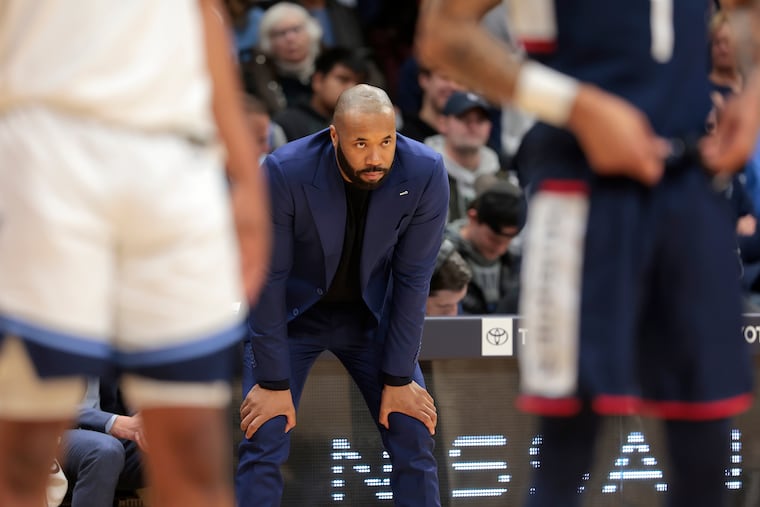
(483, 238)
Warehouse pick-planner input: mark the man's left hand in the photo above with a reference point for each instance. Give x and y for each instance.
(412, 400)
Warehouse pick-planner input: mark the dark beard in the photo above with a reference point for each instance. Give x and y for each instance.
(348, 171)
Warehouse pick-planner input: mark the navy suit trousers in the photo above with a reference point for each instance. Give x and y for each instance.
(346, 331)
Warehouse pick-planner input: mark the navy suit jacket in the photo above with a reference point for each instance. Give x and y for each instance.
(404, 227)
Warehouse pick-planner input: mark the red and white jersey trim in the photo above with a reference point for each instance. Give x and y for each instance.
(533, 23)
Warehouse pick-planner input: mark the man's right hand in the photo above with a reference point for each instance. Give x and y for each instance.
(261, 405)
(617, 138)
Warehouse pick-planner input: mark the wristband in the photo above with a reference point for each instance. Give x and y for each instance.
(546, 93)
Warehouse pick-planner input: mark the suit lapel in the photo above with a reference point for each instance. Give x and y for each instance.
(386, 207)
(326, 197)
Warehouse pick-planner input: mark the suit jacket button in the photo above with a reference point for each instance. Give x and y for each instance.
(320, 291)
(294, 311)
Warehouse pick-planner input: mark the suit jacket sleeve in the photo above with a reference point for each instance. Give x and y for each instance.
(94, 419)
(110, 404)
(268, 319)
(413, 264)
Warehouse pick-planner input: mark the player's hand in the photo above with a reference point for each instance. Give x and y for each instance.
(746, 225)
(735, 136)
(616, 137)
(261, 405)
(412, 400)
(254, 232)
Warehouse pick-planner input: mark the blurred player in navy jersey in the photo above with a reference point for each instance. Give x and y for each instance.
(117, 233)
(630, 287)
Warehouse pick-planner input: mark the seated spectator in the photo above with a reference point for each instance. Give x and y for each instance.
(336, 70)
(341, 27)
(389, 29)
(267, 135)
(408, 98)
(745, 217)
(102, 455)
(743, 190)
(449, 282)
(752, 174)
(436, 90)
(245, 17)
(340, 23)
(483, 239)
(465, 126)
(725, 77)
(279, 70)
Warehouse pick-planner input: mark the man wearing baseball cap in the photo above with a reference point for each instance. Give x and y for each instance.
(464, 131)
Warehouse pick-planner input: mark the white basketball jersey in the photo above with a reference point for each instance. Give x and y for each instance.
(136, 63)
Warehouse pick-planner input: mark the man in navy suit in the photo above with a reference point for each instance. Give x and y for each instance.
(358, 214)
(102, 455)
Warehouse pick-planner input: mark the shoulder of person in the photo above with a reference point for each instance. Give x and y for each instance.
(299, 121)
(416, 154)
(304, 152)
(511, 262)
(489, 158)
(453, 233)
(301, 111)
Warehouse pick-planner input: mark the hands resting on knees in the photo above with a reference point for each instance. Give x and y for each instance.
(261, 405)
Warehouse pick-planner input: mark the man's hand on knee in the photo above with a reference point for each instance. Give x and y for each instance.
(412, 400)
(261, 405)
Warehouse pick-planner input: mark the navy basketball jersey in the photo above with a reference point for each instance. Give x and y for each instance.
(653, 53)
(639, 337)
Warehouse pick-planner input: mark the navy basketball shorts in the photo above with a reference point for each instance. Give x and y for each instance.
(631, 299)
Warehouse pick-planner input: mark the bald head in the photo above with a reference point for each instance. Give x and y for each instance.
(363, 135)
(362, 99)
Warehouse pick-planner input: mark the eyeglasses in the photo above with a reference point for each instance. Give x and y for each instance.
(283, 32)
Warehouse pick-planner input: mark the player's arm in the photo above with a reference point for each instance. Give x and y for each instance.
(451, 40)
(616, 137)
(249, 196)
(737, 133)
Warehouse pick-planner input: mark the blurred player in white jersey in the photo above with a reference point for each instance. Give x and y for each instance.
(118, 246)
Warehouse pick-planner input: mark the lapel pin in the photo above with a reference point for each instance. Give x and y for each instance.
(405, 192)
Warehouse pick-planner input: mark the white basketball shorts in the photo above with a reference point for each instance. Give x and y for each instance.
(116, 247)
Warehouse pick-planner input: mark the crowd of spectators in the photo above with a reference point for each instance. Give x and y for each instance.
(297, 57)
(743, 189)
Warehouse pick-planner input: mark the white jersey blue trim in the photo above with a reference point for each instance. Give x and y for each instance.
(77, 345)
